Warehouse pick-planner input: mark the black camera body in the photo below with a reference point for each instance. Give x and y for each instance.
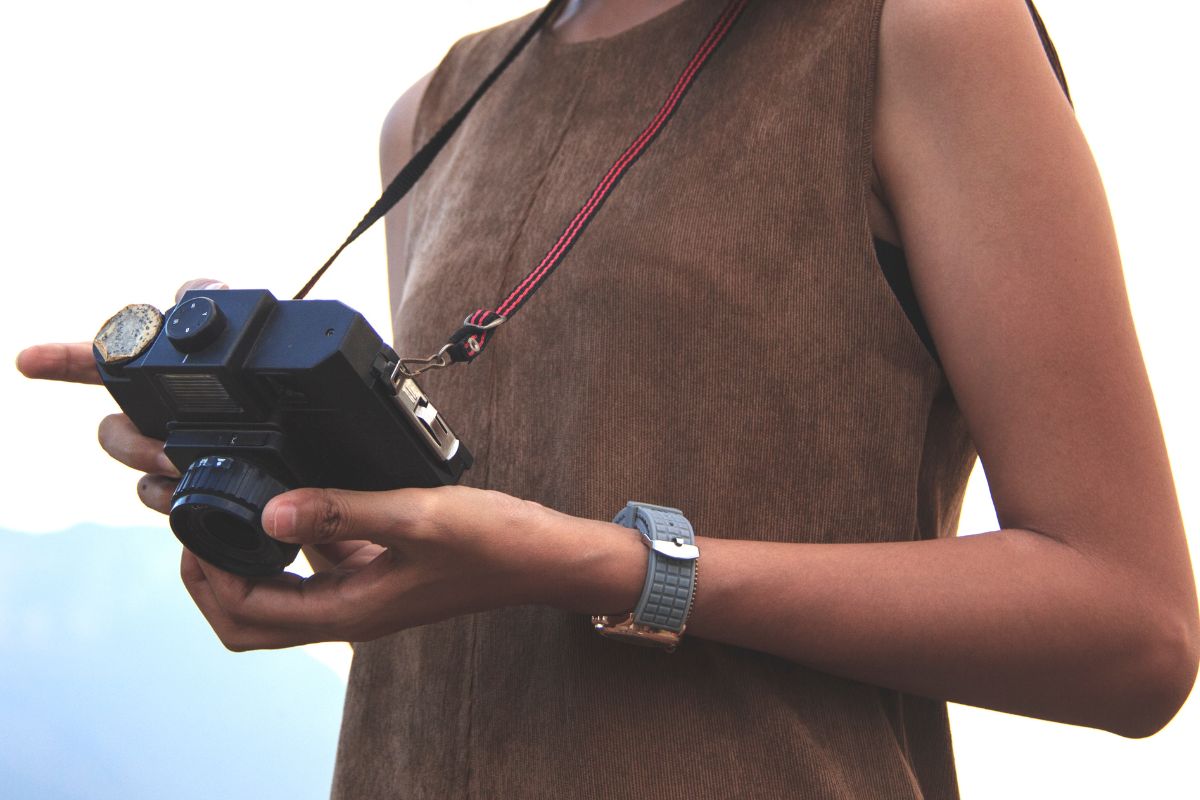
(253, 397)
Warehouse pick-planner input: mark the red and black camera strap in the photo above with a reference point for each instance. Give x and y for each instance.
(469, 340)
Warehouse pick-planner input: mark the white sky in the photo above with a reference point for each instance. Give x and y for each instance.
(147, 143)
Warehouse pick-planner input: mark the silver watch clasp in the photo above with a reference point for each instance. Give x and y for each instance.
(675, 547)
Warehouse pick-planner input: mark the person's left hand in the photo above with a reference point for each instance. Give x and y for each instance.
(432, 554)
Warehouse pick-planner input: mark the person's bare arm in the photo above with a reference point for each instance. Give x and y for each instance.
(1083, 608)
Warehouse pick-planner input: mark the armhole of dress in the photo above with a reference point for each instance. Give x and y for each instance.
(889, 258)
(1051, 50)
(397, 277)
(423, 125)
(892, 261)
(894, 266)
(425, 121)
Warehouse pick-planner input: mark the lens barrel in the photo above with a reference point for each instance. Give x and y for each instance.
(216, 512)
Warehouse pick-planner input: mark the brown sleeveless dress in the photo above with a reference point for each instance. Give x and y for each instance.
(721, 340)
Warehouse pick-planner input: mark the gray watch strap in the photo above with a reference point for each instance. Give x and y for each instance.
(671, 573)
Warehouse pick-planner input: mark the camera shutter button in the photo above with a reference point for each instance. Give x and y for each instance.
(194, 324)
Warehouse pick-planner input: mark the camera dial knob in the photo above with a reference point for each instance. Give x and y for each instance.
(194, 324)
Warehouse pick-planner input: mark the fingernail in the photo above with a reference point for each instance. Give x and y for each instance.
(214, 285)
(166, 467)
(280, 523)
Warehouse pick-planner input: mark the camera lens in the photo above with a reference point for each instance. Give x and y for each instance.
(216, 512)
(228, 529)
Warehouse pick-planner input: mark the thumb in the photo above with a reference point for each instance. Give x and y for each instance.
(317, 516)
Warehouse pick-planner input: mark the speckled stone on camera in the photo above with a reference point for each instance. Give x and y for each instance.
(128, 333)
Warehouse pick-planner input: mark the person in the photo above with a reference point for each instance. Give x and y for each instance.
(722, 340)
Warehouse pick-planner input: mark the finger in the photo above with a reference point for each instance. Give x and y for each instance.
(200, 284)
(283, 610)
(155, 491)
(201, 593)
(315, 516)
(121, 439)
(235, 636)
(343, 555)
(59, 362)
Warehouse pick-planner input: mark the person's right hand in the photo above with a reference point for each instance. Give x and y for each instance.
(119, 437)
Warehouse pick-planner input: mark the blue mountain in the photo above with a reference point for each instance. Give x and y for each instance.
(113, 686)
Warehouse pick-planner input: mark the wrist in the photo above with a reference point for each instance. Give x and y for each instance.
(660, 617)
(599, 567)
(714, 589)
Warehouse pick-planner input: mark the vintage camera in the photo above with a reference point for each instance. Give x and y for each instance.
(254, 397)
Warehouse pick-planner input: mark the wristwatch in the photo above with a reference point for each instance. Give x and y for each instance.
(662, 611)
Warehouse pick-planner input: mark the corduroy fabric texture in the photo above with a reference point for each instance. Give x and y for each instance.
(721, 340)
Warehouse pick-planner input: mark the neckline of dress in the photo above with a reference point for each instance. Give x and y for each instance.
(549, 37)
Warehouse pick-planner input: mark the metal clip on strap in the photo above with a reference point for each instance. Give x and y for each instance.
(468, 341)
(436, 361)
(465, 345)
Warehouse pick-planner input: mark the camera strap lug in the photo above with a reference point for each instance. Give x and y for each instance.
(466, 343)
(412, 367)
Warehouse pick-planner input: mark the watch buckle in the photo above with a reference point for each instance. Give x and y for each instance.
(624, 627)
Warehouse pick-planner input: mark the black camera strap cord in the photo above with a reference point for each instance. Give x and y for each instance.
(466, 343)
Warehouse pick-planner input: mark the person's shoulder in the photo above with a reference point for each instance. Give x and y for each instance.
(396, 139)
(467, 61)
(935, 35)
(955, 64)
(475, 54)
(953, 19)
